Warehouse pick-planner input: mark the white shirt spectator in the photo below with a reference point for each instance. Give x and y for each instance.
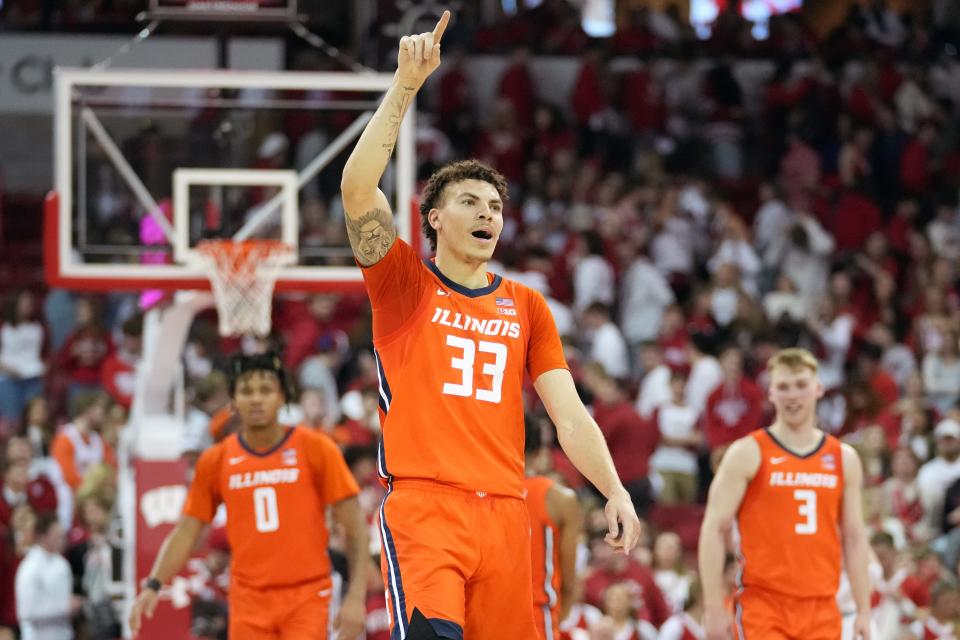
(608, 347)
(675, 421)
(196, 431)
(836, 338)
(724, 302)
(675, 587)
(944, 236)
(932, 480)
(770, 229)
(941, 381)
(705, 375)
(899, 361)
(913, 105)
(672, 249)
(740, 254)
(936, 475)
(21, 349)
(315, 374)
(778, 304)
(808, 268)
(44, 586)
(592, 282)
(644, 295)
(654, 391)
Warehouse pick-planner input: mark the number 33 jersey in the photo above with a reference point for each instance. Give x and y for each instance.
(276, 504)
(789, 520)
(451, 364)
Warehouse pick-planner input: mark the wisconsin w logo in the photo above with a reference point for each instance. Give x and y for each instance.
(163, 505)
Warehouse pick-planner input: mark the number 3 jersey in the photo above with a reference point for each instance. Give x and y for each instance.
(276, 504)
(789, 520)
(451, 363)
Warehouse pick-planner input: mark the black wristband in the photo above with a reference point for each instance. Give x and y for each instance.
(152, 583)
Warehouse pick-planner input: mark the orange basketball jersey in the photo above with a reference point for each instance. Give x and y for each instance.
(451, 362)
(276, 502)
(544, 543)
(789, 520)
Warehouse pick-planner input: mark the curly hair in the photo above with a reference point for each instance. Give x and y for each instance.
(268, 362)
(452, 173)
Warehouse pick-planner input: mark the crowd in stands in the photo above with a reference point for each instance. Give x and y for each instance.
(684, 221)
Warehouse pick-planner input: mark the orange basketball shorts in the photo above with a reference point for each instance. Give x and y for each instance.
(300, 612)
(548, 622)
(461, 558)
(766, 615)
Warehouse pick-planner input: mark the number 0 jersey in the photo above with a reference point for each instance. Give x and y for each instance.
(276, 502)
(451, 362)
(789, 520)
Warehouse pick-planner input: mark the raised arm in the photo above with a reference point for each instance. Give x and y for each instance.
(737, 468)
(370, 225)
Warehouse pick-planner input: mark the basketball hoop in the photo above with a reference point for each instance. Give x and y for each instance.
(242, 274)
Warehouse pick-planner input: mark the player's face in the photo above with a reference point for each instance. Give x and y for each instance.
(794, 394)
(470, 220)
(258, 399)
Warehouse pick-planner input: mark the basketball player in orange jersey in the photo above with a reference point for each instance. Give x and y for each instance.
(555, 524)
(453, 343)
(793, 493)
(276, 483)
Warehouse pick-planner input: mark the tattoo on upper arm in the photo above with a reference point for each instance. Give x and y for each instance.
(397, 109)
(371, 235)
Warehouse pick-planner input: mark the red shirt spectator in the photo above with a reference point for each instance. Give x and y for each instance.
(855, 217)
(39, 494)
(118, 372)
(516, 86)
(643, 101)
(86, 349)
(454, 89)
(118, 378)
(611, 568)
(631, 439)
(587, 98)
(734, 409)
(915, 161)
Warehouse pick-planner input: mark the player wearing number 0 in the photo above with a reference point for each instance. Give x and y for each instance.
(276, 483)
(793, 495)
(453, 343)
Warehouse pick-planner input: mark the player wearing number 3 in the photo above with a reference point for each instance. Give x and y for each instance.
(792, 494)
(453, 343)
(276, 483)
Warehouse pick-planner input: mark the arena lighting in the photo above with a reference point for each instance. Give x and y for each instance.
(759, 12)
(510, 7)
(598, 18)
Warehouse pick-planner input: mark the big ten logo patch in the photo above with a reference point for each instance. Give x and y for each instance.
(163, 505)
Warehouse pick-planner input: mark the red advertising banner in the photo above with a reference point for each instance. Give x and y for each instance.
(161, 492)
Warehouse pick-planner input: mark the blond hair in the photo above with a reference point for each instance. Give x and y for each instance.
(793, 359)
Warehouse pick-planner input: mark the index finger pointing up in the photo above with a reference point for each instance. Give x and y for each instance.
(441, 27)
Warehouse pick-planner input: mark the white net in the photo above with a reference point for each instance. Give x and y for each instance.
(242, 275)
